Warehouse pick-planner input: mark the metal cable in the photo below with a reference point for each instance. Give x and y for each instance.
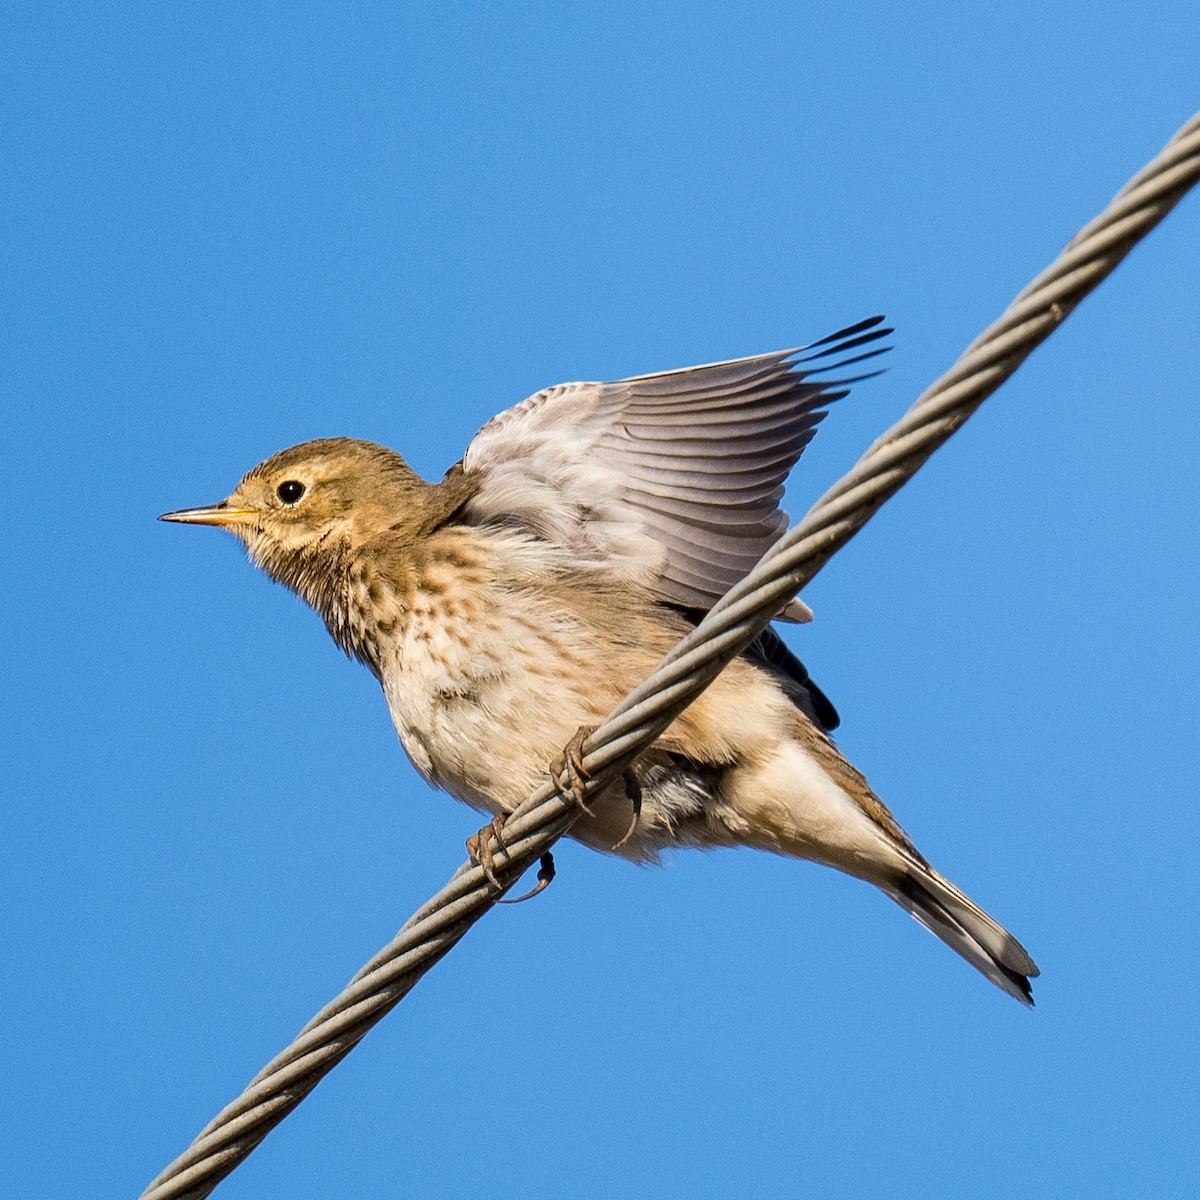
(724, 633)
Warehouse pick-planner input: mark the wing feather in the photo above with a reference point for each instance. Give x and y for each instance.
(674, 478)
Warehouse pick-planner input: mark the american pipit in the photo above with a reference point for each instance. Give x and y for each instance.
(524, 595)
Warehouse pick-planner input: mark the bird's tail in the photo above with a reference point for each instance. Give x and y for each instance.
(964, 927)
(806, 800)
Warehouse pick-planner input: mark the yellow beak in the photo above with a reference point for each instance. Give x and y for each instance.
(215, 514)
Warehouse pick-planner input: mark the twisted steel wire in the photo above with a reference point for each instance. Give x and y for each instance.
(723, 634)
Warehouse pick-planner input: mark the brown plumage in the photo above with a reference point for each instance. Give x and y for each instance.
(547, 574)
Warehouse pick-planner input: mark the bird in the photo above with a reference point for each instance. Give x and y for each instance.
(508, 608)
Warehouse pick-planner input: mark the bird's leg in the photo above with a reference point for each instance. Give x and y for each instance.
(567, 772)
(481, 853)
(569, 775)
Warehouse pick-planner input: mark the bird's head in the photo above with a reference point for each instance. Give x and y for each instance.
(304, 510)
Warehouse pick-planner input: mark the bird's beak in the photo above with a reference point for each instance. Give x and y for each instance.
(215, 514)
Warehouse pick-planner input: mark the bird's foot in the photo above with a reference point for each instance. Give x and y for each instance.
(570, 777)
(480, 851)
(567, 773)
(482, 855)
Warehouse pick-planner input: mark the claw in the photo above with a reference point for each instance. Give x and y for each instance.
(480, 850)
(545, 877)
(567, 772)
(633, 790)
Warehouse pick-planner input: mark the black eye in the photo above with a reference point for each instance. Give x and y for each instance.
(290, 491)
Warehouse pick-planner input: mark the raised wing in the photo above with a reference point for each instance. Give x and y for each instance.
(673, 479)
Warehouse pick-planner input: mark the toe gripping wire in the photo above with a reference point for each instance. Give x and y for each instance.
(570, 778)
(530, 831)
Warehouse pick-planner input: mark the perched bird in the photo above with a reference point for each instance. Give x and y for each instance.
(582, 534)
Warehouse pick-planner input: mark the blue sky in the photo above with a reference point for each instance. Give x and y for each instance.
(229, 228)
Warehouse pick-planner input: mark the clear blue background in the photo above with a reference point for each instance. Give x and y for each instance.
(229, 228)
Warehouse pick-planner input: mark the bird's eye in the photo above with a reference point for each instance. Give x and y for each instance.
(290, 491)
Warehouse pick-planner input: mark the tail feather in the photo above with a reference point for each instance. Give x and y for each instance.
(806, 800)
(965, 928)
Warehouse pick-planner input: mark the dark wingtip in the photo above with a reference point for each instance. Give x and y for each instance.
(837, 347)
(851, 330)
